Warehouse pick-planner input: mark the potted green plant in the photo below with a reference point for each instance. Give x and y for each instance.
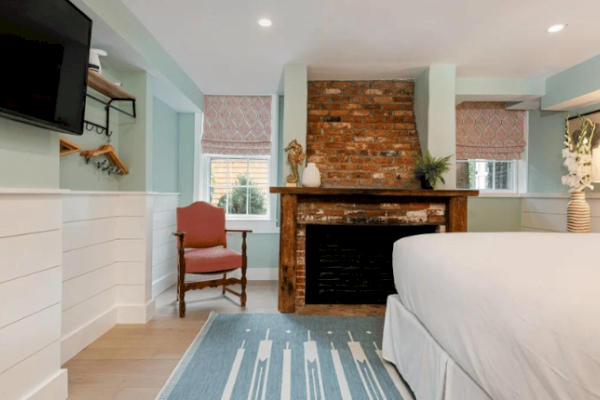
(430, 169)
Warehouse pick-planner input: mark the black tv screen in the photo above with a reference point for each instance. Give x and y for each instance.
(45, 46)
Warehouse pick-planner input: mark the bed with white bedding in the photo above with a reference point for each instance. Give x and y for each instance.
(500, 316)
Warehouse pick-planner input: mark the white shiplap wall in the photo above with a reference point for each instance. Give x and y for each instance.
(30, 295)
(107, 262)
(164, 248)
(548, 213)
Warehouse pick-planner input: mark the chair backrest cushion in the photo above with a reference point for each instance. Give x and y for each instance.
(203, 224)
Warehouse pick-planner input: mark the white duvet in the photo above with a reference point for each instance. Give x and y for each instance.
(519, 312)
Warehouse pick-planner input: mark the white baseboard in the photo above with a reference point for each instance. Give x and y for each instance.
(135, 314)
(56, 388)
(84, 336)
(262, 274)
(162, 284)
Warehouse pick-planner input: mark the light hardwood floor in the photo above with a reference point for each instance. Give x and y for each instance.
(135, 361)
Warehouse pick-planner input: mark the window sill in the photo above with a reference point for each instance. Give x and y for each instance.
(500, 194)
(261, 226)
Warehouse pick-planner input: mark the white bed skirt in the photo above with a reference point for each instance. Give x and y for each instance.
(424, 365)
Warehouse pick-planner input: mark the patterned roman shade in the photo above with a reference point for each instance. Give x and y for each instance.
(487, 130)
(237, 125)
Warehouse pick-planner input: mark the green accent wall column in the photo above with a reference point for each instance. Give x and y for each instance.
(165, 147)
(295, 111)
(435, 114)
(29, 156)
(188, 123)
(421, 107)
(135, 135)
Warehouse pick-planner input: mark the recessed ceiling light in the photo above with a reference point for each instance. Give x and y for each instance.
(556, 28)
(265, 22)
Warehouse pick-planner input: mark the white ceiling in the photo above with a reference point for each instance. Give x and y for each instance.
(220, 45)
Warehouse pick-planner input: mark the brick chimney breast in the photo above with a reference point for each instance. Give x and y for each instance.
(363, 133)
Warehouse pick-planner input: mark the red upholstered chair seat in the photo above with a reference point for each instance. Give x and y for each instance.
(212, 259)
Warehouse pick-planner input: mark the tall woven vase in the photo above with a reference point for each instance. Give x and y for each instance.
(578, 214)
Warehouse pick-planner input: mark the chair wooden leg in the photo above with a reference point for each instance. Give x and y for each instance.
(182, 303)
(244, 266)
(181, 286)
(224, 285)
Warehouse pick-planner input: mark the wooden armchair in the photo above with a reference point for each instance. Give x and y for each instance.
(202, 249)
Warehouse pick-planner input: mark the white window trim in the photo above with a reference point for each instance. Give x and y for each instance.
(258, 224)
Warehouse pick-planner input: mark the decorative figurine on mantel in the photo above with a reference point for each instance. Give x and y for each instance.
(295, 158)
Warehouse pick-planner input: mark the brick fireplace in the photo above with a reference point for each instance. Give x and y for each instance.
(363, 138)
(362, 133)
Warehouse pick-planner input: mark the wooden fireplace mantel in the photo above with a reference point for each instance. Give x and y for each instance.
(455, 221)
(304, 191)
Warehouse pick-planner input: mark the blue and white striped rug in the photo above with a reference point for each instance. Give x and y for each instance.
(285, 357)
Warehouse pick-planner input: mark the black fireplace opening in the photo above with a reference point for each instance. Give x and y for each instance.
(347, 264)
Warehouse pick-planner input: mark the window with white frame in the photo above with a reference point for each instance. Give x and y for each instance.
(236, 162)
(490, 147)
(497, 175)
(240, 185)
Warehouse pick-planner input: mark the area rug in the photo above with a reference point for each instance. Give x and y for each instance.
(285, 357)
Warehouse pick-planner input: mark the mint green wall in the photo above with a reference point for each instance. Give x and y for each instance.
(165, 147)
(494, 214)
(435, 114)
(421, 107)
(546, 141)
(263, 248)
(474, 89)
(28, 156)
(295, 112)
(135, 135)
(546, 138)
(575, 82)
(188, 123)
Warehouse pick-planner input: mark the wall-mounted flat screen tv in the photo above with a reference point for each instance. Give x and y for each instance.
(45, 48)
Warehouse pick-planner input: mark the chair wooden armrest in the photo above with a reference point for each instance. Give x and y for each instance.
(178, 234)
(238, 230)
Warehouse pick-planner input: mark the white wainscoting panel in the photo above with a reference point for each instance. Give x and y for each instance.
(107, 265)
(164, 246)
(31, 283)
(548, 213)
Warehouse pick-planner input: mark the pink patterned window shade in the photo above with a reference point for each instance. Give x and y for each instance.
(487, 130)
(237, 125)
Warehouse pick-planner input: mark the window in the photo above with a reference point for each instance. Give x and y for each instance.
(497, 175)
(236, 163)
(491, 147)
(240, 185)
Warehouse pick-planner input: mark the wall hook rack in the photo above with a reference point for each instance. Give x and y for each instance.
(115, 94)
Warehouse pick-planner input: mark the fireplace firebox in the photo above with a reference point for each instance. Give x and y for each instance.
(352, 264)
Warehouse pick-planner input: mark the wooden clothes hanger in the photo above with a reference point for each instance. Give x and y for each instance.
(111, 154)
(68, 147)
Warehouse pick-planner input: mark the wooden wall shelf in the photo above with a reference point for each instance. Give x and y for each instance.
(107, 88)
